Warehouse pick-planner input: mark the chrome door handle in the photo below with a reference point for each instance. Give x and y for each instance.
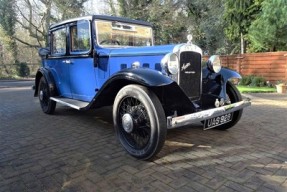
(67, 61)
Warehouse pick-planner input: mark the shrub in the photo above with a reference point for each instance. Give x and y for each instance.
(258, 82)
(246, 80)
(23, 70)
(254, 81)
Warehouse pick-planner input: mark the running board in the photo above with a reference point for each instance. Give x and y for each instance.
(76, 104)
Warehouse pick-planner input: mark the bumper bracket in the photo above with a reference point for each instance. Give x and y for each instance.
(174, 122)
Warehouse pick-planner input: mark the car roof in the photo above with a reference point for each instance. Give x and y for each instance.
(101, 17)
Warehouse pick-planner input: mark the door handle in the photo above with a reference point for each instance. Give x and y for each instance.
(67, 61)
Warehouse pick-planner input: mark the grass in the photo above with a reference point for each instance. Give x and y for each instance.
(14, 77)
(248, 89)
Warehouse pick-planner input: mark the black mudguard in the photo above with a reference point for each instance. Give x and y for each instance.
(144, 76)
(214, 85)
(49, 78)
(227, 74)
(169, 93)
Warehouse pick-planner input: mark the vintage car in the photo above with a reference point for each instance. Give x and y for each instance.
(97, 61)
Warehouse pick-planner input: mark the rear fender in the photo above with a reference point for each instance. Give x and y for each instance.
(49, 78)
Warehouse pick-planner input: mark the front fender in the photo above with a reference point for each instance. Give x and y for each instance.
(227, 74)
(144, 76)
(169, 93)
(49, 78)
(141, 76)
(214, 85)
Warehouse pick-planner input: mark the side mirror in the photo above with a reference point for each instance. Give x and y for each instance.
(44, 52)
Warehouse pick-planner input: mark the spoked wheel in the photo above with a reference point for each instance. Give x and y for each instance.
(48, 106)
(139, 121)
(234, 96)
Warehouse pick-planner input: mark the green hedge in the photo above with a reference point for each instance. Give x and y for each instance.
(253, 81)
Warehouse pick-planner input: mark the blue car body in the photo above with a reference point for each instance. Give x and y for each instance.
(81, 76)
(97, 61)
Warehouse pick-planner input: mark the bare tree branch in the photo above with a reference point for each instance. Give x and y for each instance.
(31, 25)
(25, 43)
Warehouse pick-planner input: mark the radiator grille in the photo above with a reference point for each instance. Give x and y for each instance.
(190, 74)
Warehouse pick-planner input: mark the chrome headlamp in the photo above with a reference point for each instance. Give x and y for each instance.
(214, 63)
(170, 62)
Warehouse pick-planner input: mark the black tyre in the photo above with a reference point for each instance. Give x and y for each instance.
(48, 106)
(234, 96)
(139, 121)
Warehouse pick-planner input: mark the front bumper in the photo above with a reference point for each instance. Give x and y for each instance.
(174, 122)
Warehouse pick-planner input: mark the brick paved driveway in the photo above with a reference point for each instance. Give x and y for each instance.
(77, 151)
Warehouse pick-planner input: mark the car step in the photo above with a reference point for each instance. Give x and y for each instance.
(76, 104)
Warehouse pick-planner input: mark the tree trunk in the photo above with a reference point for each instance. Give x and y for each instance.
(48, 20)
(241, 43)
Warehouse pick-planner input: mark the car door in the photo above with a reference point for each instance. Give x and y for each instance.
(81, 63)
(58, 61)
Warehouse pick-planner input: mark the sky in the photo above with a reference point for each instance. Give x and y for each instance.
(97, 7)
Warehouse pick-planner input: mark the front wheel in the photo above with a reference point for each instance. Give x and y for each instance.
(139, 121)
(48, 106)
(234, 96)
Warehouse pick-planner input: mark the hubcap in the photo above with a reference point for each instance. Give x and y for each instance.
(41, 95)
(127, 123)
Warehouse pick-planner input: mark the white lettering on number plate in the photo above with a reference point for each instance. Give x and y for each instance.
(216, 121)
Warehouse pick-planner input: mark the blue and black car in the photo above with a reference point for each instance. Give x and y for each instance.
(97, 61)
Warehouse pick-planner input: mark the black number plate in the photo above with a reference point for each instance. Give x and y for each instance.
(216, 121)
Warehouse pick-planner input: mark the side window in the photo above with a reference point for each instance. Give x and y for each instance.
(59, 42)
(80, 37)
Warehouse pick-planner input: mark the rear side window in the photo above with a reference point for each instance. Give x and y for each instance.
(59, 42)
(80, 37)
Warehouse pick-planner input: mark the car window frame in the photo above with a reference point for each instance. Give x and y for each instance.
(51, 39)
(125, 23)
(69, 43)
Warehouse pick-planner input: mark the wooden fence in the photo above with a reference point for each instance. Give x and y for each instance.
(272, 65)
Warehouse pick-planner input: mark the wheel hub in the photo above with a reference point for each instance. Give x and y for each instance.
(127, 122)
(41, 95)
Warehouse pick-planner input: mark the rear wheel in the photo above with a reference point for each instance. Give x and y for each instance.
(139, 121)
(48, 106)
(234, 96)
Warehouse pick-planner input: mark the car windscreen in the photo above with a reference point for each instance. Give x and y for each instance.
(118, 34)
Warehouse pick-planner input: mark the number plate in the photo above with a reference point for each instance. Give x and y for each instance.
(216, 121)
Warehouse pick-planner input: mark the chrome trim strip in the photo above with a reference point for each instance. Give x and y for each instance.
(174, 122)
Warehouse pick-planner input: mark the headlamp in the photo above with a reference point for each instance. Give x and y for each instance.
(214, 63)
(170, 62)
